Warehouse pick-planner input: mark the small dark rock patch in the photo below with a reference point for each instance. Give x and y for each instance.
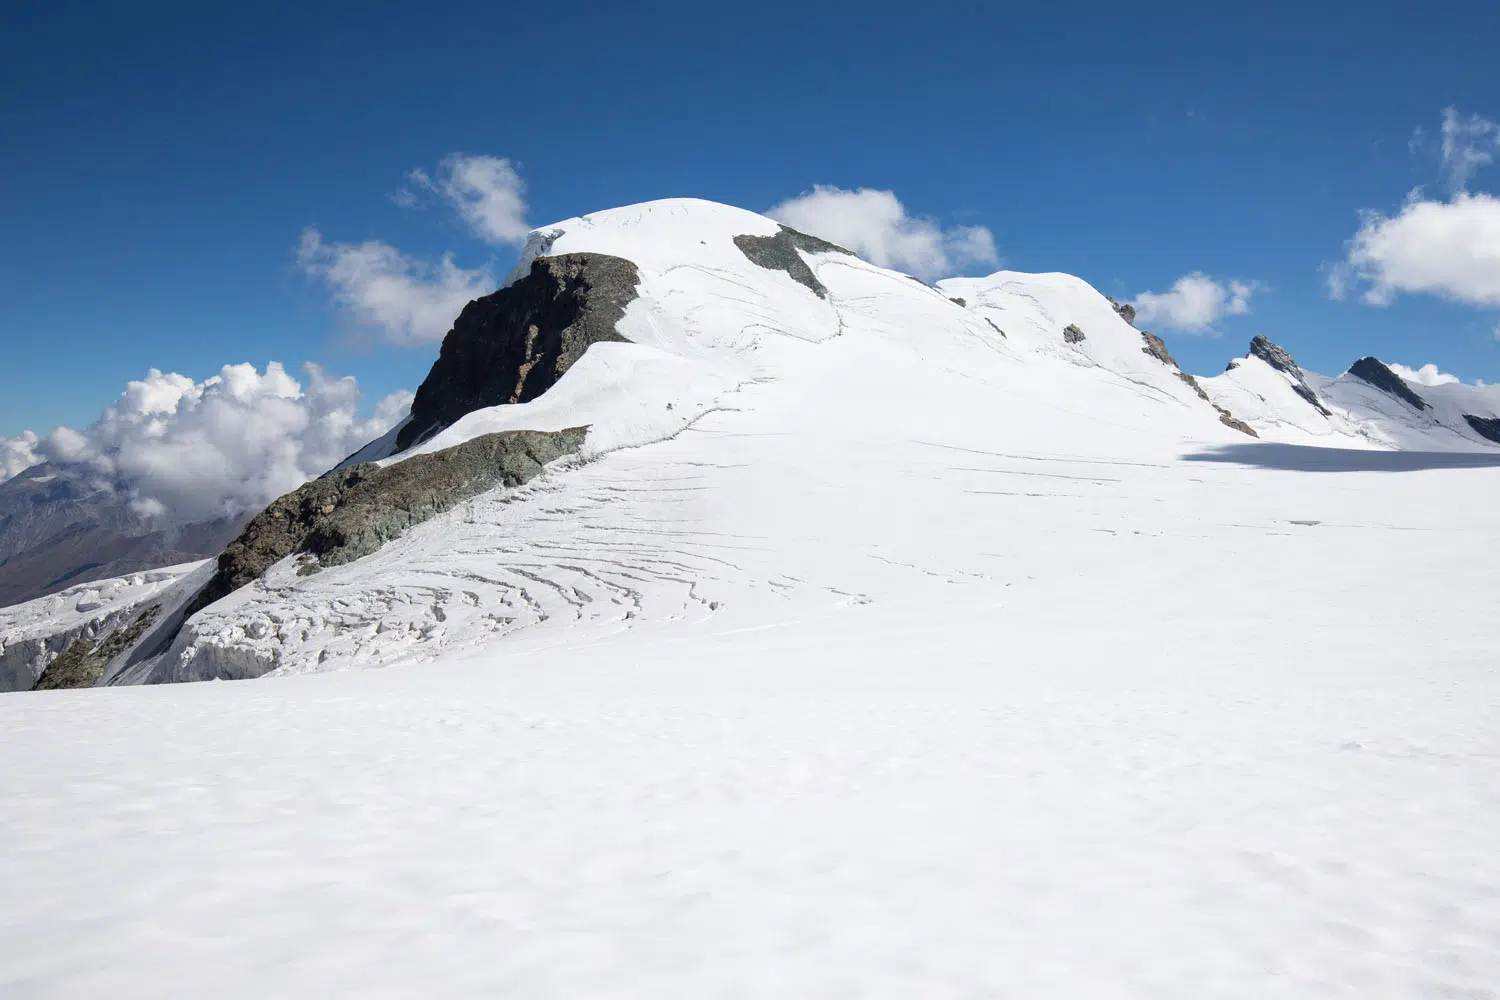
(1372, 371)
(1486, 427)
(85, 660)
(1192, 383)
(960, 301)
(779, 253)
(512, 346)
(1230, 420)
(995, 328)
(1125, 310)
(1072, 334)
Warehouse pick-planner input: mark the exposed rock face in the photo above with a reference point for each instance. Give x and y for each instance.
(779, 253)
(1072, 334)
(1192, 384)
(1125, 309)
(85, 659)
(996, 328)
(1278, 358)
(960, 301)
(1382, 378)
(1157, 348)
(353, 511)
(1230, 420)
(1487, 427)
(512, 346)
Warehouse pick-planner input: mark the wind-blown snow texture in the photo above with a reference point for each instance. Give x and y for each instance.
(866, 651)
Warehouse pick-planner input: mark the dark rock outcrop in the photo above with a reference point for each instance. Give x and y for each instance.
(1278, 358)
(84, 661)
(1485, 427)
(1230, 420)
(351, 512)
(779, 253)
(1157, 348)
(1072, 334)
(1192, 383)
(1125, 309)
(512, 346)
(1372, 371)
(959, 300)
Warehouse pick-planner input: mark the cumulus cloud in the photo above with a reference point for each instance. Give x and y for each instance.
(1445, 248)
(875, 225)
(486, 191)
(1469, 142)
(414, 301)
(17, 454)
(410, 301)
(184, 451)
(1426, 375)
(1194, 303)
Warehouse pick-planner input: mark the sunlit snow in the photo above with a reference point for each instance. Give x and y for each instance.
(868, 651)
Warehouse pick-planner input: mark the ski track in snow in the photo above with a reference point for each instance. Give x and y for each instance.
(869, 681)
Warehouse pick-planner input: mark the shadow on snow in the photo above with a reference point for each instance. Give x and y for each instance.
(1306, 458)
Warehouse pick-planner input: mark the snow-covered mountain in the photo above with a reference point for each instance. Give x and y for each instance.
(760, 622)
(59, 527)
(1368, 406)
(682, 356)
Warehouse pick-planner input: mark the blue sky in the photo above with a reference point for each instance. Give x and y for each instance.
(160, 163)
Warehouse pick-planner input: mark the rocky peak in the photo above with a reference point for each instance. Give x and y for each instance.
(513, 345)
(1377, 374)
(1275, 355)
(1281, 359)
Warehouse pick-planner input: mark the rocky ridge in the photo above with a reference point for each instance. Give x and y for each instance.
(1280, 359)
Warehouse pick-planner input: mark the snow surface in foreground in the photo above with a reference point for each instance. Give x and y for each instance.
(922, 661)
(1145, 736)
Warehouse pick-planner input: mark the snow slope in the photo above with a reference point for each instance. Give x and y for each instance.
(900, 657)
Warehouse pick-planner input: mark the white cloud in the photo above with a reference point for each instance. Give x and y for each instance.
(875, 225)
(486, 191)
(188, 451)
(1468, 144)
(412, 302)
(1194, 303)
(1426, 375)
(1445, 248)
(17, 454)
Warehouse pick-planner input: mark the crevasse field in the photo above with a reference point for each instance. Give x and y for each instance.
(899, 656)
